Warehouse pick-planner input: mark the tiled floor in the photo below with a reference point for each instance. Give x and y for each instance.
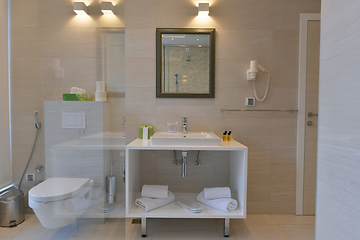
(254, 227)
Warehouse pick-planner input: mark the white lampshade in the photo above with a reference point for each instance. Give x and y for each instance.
(107, 7)
(80, 8)
(203, 9)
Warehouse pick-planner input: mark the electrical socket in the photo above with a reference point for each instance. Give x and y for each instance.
(250, 101)
(30, 177)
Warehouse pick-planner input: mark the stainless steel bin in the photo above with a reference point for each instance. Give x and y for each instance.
(11, 207)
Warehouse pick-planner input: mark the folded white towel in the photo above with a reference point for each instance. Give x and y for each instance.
(222, 204)
(148, 204)
(217, 192)
(154, 191)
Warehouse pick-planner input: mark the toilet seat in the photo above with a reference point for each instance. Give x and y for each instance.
(56, 189)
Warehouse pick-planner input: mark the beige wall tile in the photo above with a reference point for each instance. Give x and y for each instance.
(140, 43)
(248, 44)
(174, 14)
(284, 130)
(26, 100)
(27, 13)
(25, 72)
(20, 158)
(242, 14)
(285, 66)
(186, 107)
(229, 73)
(140, 14)
(259, 187)
(141, 72)
(66, 42)
(258, 207)
(25, 42)
(140, 102)
(284, 98)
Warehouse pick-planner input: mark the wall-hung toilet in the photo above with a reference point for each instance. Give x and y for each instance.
(58, 202)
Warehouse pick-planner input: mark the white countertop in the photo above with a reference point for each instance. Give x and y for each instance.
(224, 145)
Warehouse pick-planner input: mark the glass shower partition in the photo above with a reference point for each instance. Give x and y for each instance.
(52, 50)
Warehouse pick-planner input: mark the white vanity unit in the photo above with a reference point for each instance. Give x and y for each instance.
(237, 178)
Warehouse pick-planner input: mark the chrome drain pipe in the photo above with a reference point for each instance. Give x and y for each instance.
(184, 163)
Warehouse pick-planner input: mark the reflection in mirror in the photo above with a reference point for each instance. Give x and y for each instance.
(185, 62)
(111, 54)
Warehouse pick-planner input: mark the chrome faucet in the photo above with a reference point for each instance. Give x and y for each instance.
(184, 125)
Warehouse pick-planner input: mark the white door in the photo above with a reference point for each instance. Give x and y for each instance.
(311, 109)
(308, 110)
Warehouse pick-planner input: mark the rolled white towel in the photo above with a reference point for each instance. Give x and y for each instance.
(154, 191)
(217, 192)
(222, 204)
(148, 204)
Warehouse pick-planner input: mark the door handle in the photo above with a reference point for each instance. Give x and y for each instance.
(310, 114)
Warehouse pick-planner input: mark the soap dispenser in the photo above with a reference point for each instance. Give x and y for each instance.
(229, 136)
(225, 136)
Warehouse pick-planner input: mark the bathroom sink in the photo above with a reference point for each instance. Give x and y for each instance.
(104, 138)
(190, 138)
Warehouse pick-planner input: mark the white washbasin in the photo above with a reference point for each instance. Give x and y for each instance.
(190, 138)
(104, 138)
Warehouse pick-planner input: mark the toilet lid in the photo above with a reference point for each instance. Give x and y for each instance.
(55, 189)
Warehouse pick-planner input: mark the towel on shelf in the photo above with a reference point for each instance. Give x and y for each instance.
(154, 191)
(217, 192)
(222, 204)
(148, 204)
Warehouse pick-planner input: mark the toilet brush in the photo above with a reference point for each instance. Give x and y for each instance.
(111, 186)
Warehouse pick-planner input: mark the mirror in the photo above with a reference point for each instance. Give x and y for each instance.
(185, 63)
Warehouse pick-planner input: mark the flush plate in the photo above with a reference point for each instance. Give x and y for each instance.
(73, 120)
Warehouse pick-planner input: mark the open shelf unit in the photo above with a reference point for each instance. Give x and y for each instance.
(238, 182)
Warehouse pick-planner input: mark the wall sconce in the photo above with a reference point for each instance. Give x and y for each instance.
(107, 7)
(80, 8)
(203, 9)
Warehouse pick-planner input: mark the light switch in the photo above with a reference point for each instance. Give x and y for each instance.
(73, 120)
(250, 101)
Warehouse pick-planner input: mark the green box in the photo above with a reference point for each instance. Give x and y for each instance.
(150, 129)
(76, 97)
(70, 97)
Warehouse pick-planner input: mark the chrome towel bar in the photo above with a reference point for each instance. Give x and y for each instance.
(258, 110)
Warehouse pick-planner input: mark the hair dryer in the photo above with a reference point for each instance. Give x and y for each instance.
(251, 75)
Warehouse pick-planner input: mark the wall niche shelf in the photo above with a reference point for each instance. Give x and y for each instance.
(238, 184)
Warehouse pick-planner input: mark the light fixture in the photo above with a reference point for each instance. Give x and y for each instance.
(203, 9)
(80, 8)
(107, 7)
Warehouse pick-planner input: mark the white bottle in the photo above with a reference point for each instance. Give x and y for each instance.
(100, 93)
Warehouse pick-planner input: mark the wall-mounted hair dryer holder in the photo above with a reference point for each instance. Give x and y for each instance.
(253, 70)
(251, 76)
